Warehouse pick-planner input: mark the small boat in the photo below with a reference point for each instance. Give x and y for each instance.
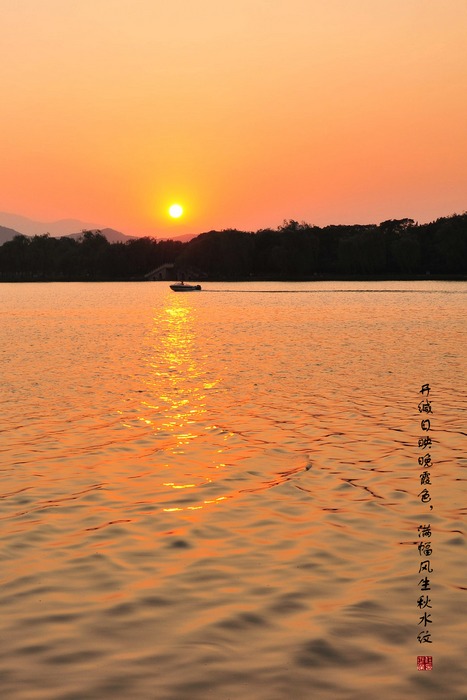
(182, 287)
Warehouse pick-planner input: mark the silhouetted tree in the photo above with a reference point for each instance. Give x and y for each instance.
(292, 251)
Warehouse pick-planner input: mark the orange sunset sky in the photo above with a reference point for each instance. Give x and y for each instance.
(245, 112)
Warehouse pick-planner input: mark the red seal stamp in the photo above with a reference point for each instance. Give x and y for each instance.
(424, 663)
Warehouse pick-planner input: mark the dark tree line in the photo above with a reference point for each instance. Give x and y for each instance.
(90, 257)
(394, 248)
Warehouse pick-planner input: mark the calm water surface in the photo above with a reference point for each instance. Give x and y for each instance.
(215, 495)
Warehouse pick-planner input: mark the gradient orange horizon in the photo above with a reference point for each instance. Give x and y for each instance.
(246, 113)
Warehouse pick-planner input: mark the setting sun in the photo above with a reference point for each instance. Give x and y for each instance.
(175, 211)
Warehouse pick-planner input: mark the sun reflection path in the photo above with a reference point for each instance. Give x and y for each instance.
(188, 446)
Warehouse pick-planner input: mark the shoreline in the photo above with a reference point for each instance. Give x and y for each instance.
(315, 278)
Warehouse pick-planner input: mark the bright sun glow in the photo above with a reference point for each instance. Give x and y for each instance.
(175, 211)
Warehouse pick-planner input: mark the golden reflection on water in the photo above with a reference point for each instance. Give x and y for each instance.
(178, 381)
(179, 370)
(304, 582)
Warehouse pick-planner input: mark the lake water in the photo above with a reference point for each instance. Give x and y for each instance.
(217, 494)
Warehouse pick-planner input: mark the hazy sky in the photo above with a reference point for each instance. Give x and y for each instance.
(244, 111)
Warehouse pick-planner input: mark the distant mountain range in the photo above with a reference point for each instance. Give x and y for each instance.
(110, 233)
(29, 227)
(12, 225)
(7, 234)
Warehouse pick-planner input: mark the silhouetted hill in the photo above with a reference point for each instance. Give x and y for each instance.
(182, 239)
(7, 234)
(12, 225)
(111, 234)
(30, 227)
